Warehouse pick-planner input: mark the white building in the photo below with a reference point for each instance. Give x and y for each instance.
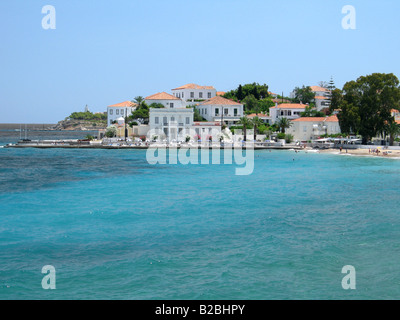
(204, 130)
(322, 96)
(116, 111)
(290, 111)
(193, 92)
(310, 128)
(218, 107)
(263, 117)
(167, 100)
(171, 121)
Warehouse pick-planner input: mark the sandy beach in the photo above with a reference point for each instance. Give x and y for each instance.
(366, 152)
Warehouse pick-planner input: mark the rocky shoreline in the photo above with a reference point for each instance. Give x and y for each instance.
(78, 125)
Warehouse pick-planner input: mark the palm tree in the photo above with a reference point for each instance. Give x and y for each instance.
(138, 100)
(245, 122)
(393, 129)
(256, 123)
(284, 124)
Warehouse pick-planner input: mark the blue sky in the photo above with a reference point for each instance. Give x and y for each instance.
(105, 52)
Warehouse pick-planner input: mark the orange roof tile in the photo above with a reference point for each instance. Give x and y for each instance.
(217, 100)
(317, 88)
(333, 118)
(220, 93)
(290, 106)
(310, 119)
(317, 119)
(162, 96)
(260, 115)
(194, 86)
(124, 104)
(321, 98)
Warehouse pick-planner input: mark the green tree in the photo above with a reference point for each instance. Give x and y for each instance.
(157, 105)
(141, 112)
(138, 100)
(251, 104)
(283, 124)
(336, 99)
(311, 112)
(257, 122)
(240, 94)
(111, 132)
(265, 104)
(366, 104)
(246, 122)
(258, 91)
(304, 95)
(393, 130)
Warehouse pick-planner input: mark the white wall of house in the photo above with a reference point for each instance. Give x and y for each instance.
(168, 103)
(310, 130)
(194, 94)
(113, 113)
(170, 122)
(232, 113)
(285, 112)
(321, 103)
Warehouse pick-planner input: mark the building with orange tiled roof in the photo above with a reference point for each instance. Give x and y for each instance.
(221, 109)
(263, 117)
(220, 93)
(118, 110)
(310, 128)
(290, 111)
(171, 122)
(166, 99)
(193, 92)
(322, 97)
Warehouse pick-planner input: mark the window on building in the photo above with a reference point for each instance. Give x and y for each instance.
(111, 112)
(172, 118)
(187, 120)
(171, 105)
(183, 95)
(117, 112)
(235, 112)
(192, 95)
(216, 111)
(165, 121)
(200, 95)
(226, 111)
(156, 120)
(209, 95)
(205, 111)
(122, 111)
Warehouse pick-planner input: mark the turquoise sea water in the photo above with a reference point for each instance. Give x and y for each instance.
(115, 227)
